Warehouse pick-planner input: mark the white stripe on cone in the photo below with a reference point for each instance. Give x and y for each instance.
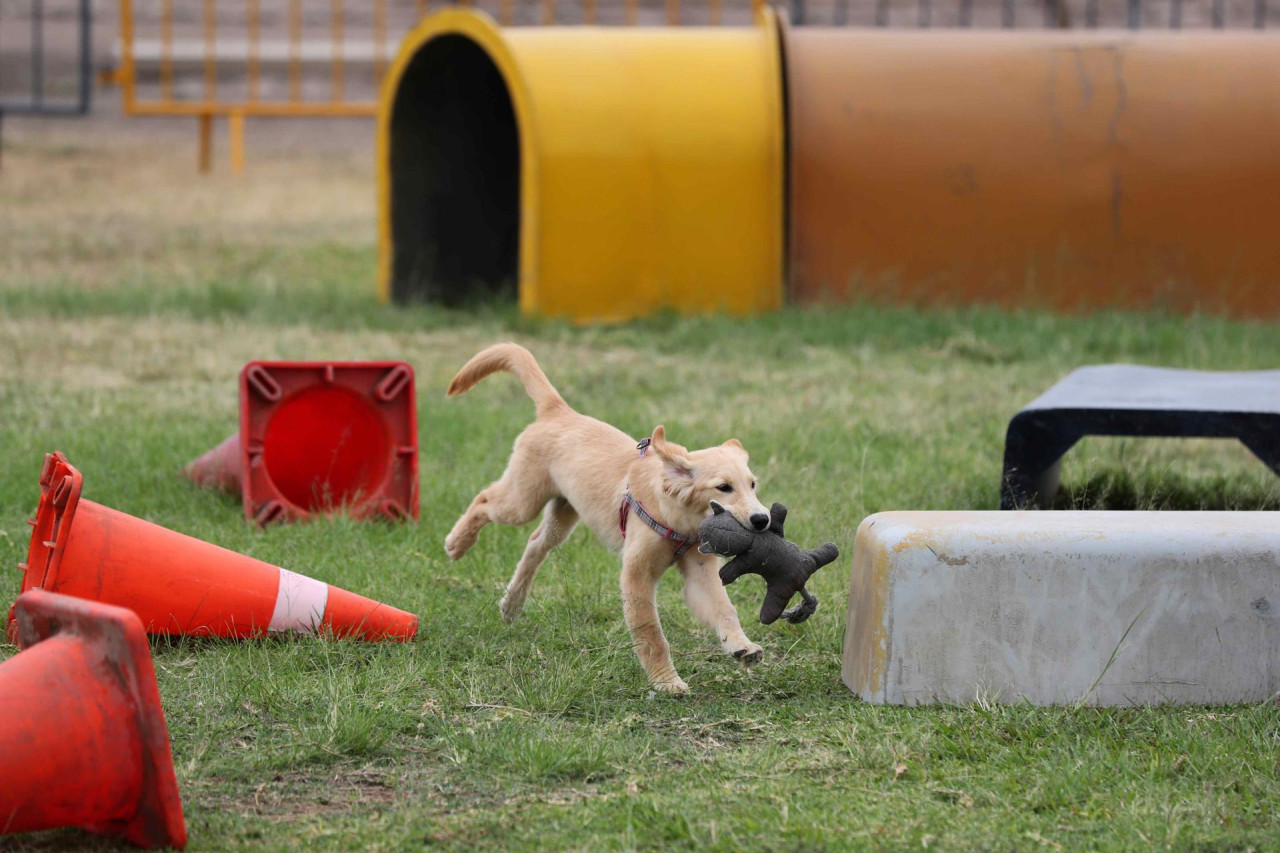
(300, 603)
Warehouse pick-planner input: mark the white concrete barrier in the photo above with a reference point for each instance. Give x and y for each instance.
(1108, 608)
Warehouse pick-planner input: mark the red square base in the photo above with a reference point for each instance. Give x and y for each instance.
(322, 436)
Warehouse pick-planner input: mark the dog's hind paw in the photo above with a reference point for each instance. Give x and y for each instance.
(750, 655)
(675, 685)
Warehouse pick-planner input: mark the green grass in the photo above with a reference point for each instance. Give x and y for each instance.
(543, 734)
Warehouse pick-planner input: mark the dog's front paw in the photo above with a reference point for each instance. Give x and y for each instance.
(674, 685)
(456, 546)
(750, 655)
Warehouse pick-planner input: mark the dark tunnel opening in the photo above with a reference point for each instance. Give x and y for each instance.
(455, 178)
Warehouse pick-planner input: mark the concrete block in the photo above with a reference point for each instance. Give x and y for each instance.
(1013, 606)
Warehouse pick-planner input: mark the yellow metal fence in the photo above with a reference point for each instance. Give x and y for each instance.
(240, 58)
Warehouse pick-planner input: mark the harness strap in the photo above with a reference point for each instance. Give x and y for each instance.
(630, 504)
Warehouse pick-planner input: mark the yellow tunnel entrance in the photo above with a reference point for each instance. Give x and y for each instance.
(602, 173)
(455, 201)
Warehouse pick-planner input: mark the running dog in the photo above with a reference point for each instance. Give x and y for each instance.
(643, 501)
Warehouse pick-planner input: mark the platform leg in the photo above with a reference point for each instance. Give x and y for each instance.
(1266, 447)
(1033, 464)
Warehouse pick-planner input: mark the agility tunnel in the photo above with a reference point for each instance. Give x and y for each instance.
(602, 174)
(1059, 170)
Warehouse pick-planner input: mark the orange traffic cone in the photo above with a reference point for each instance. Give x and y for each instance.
(316, 436)
(177, 584)
(82, 735)
(219, 468)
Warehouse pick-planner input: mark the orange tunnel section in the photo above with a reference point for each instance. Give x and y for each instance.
(1057, 170)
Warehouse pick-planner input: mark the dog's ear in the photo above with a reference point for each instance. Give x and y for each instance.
(734, 444)
(677, 467)
(658, 441)
(675, 459)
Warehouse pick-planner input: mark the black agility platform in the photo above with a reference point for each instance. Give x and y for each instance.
(1121, 399)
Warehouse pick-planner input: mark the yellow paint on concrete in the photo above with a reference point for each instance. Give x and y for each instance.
(651, 164)
(864, 659)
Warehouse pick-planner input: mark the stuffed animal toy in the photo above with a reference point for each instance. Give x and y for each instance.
(784, 566)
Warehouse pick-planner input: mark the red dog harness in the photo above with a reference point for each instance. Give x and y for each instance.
(629, 503)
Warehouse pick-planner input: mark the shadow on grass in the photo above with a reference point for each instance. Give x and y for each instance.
(1118, 490)
(70, 840)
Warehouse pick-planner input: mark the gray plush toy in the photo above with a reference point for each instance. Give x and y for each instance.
(784, 565)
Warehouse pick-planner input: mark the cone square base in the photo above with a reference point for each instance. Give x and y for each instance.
(323, 436)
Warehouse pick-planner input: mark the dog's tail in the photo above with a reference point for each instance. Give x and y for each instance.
(518, 360)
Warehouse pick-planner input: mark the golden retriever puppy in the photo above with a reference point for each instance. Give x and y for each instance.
(642, 501)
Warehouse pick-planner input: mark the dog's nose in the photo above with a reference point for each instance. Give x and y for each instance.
(759, 521)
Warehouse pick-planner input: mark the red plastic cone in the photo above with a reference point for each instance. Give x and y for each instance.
(318, 436)
(180, 585)
(219, 468)
(83, 740)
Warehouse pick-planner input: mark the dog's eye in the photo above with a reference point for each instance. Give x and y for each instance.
(753, 485)
(725, 487)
